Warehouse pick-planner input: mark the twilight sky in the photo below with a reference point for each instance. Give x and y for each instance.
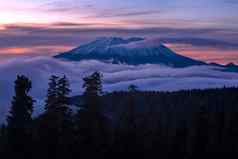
(202, 29)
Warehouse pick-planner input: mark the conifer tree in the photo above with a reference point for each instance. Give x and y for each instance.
(57, 118)
(51, 99)
(63, 92)
(66, 128)
(58, 100)
(132, 88)
(19, 119)
(93, 89)
(91, 121)
(22, 104)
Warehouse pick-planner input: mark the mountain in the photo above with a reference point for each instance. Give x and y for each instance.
(231, 67)
(131, 51)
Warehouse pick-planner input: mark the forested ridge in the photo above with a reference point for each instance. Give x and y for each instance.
(186, 124)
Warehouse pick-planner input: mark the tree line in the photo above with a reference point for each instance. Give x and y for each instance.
(136, 124)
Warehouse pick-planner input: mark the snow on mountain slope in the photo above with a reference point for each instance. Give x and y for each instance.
(132, 51)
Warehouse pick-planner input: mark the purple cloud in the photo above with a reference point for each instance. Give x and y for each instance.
(116, 77)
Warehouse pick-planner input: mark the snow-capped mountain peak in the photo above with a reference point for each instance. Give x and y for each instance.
(102, 44)
(131, 51)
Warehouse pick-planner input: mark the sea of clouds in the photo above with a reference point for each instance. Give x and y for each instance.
(116, 77)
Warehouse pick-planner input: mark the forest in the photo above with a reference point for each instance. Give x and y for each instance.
(187, 124)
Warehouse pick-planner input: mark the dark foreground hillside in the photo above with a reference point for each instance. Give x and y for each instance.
(183, 104)
(134, 124)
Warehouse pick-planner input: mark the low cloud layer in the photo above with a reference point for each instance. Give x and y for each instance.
(116, 77)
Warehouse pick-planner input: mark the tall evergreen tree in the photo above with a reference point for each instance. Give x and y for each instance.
(63, 92)
(52, 94)
(93, 89)
(20, 118)
(91, 121)
(93, 84)
(22, 104)
(57, 119)
(65, 142)
(58, 100)
(132, 88)
(48, 123)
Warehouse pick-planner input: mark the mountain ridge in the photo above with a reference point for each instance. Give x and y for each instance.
(131, 51)
(134, 51)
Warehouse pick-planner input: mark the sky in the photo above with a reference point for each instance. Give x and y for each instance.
(202, 29)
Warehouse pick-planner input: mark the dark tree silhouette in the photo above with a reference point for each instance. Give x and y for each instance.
(92, 124)
(93, 89)
(55, 125)
(132, 88)
(20, 119)
(65, 143)
(93, 84)
(190, 124)
(58, 99)
(63, 98)
(52, 94)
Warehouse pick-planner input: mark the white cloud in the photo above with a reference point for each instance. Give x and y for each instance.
(116, 77)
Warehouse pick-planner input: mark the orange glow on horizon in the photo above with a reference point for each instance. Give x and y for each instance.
(15, 50)
(2, 27)
(206, 54)
(203, 54)
(41, 50)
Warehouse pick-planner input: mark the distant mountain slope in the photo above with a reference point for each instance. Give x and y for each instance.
(132, 51)
(231, 67)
